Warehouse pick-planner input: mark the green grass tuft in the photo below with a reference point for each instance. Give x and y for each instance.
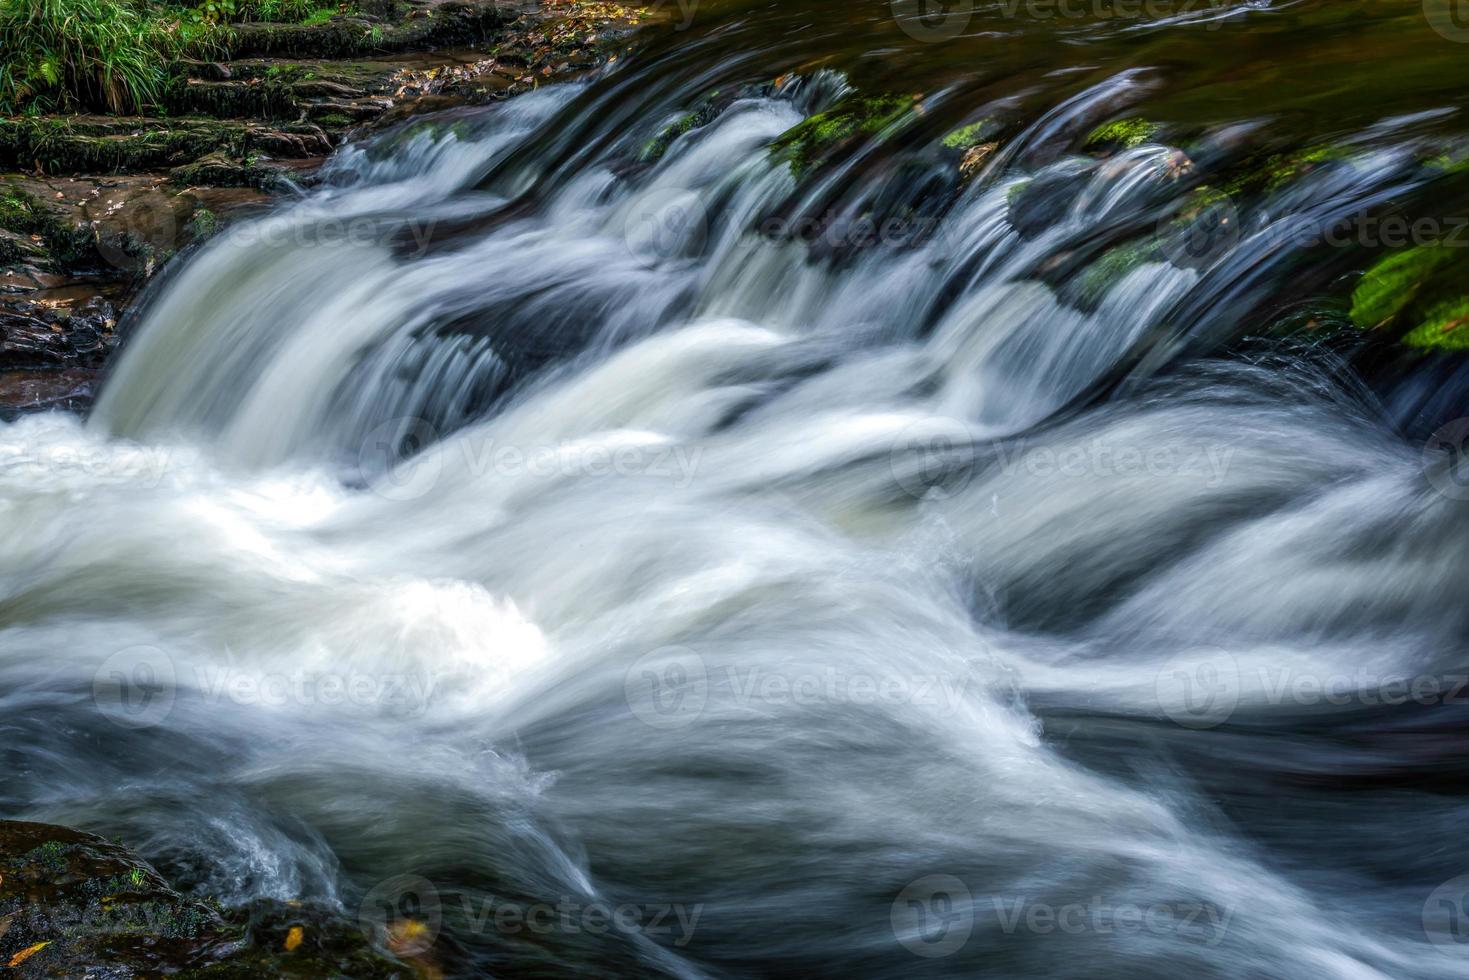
(103, 55)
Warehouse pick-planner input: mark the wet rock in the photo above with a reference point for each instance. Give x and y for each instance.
(73, 904)
(1120, 134)
(223, 170)
(818, 138)
(22, 391)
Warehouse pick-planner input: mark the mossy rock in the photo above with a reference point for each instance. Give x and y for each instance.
(1421, 293)
(708, 108)
(967, 137)
(66, 244)
(103, 145)
(1120, 134)
(223, 170)
(1089, 289)
(805, 145)
(76, 905)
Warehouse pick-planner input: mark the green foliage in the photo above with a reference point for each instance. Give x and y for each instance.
(215, 11)
(1445, 327)
(280, 11)
(1121, 134)
(107, 55)
(1420, 290)
(1393, 283)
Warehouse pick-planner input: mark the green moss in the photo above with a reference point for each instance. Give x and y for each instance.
(203, 224)
(1121, 134)
(805, 144)
(1282, 170)
(969, 136)
(50, 855)
(335, 120)
(1445, 327)
(1394, 282)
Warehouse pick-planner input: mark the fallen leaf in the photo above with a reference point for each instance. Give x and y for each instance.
(409, 938)
(294, 937)
(27, 953)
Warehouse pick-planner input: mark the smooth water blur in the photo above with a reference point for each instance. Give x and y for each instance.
(521, 522)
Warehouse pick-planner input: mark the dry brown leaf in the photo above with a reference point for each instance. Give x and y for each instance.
(27, 953)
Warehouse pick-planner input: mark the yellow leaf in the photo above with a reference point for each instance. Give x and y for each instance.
(294, 937)
(27, 953)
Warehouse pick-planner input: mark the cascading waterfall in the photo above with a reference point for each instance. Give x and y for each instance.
(847, 605)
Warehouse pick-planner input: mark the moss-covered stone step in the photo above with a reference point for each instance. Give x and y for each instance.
(112, 144)
(275, 89)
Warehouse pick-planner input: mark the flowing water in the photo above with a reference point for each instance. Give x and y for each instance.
(622, 560)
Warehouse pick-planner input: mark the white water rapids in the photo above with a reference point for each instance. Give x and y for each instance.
(621, 554)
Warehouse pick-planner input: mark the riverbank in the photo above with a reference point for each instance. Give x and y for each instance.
(93, 206)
